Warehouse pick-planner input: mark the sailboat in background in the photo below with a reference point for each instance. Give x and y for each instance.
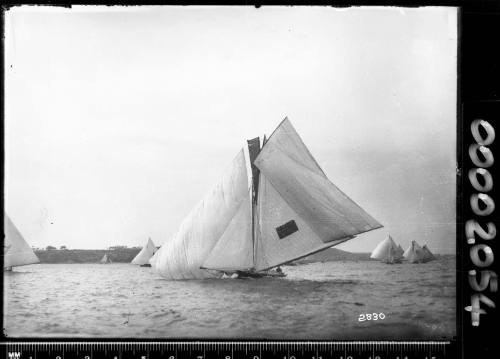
(142, 258)
(289, 210)
(428, 256)
(400, 250)
(414, 253)
(17, 251)
(105, 259)
(388, 251)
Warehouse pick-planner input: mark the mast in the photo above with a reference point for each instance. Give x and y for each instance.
(253, 152)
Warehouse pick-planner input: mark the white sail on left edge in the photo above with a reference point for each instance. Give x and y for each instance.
(182, 256)
(17, 251)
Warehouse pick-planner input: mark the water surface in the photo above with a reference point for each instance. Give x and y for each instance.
(315, 301)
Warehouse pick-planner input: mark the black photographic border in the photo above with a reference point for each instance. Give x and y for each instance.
(478, 97)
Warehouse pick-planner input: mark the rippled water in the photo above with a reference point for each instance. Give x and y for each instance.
(319, 300)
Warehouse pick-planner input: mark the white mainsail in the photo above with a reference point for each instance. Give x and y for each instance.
(299, 241)
(414, 253)
(219, 212)
(17, 251)
(427, 254)
(387, 251)
(145, 254)
(300, 211)
(291, 211)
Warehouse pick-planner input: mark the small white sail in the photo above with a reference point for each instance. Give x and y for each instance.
(105, 259)
(145, 254)
(182, 256)
(17, 251)
(427, 254)
(414, 253)
(387, 251)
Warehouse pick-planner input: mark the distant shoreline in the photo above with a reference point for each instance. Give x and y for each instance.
(121, 255)
(125, 255)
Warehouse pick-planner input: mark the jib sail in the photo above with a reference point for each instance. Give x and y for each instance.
(222, 211)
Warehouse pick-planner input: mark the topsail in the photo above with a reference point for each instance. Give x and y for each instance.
(17, 251)
(288, 210)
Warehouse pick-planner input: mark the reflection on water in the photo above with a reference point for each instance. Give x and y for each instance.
(320, 300)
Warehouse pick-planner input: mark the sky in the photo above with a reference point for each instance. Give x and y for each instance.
(118, 120)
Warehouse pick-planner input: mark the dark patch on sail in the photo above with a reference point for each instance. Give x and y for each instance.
(287, 229)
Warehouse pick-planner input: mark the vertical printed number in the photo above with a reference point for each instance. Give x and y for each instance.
(482, 205)
(472, 227)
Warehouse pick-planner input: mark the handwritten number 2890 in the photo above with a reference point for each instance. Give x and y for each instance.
(371, 316)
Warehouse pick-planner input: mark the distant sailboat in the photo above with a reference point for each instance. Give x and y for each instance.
(427, 254)
(17, 251)
(142, 258)
(387, 251)
(289, 210)
(400, 250)
(106, 260)
(414, 253)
